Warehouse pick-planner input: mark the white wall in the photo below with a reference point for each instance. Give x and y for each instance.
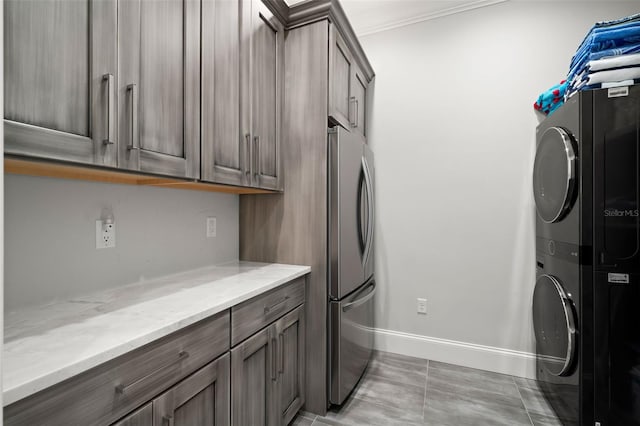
(50, 235)
(453, 133)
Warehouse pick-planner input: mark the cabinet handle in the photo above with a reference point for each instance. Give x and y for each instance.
(281, 344)
(268, 309)
(273, 359)
(111, 105)
(353, 101)
(247, 161)
(256, 154)
(134, 142)
(168, 420)
(357, 115)
(122, 389)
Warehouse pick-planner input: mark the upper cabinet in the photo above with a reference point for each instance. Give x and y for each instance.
(266, 79)
(242, 63)
(358, 101)
(347, 86)
(341, 67)
(159, 86)
(189, 89)
(60, 61)
(225, 128)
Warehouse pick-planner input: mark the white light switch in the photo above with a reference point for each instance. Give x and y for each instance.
(422, 306)
(211, 227)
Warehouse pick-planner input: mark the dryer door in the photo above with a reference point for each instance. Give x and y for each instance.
(554, 326)
(554, 174)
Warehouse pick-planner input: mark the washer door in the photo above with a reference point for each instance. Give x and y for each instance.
(554, 325)
(554, 174)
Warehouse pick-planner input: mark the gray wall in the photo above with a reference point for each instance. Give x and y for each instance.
(453, 133)
(50, 235)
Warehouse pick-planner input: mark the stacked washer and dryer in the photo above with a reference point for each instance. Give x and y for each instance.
(586, 301)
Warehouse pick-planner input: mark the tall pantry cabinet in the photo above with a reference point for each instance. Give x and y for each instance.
(328, 82)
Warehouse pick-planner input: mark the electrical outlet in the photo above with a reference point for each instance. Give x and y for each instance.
(105, 234)
(422, 306)
(211, 227)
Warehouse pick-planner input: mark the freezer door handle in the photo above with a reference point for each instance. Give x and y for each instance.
(371, 289)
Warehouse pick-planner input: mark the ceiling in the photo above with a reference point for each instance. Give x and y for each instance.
(371, 16)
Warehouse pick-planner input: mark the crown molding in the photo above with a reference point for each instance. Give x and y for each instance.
(428, 16)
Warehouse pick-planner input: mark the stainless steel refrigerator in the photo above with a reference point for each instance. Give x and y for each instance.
(351, 282)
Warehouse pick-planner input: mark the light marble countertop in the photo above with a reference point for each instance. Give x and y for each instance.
(48, 344)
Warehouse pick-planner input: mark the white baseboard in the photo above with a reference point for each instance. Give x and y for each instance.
(504, 361)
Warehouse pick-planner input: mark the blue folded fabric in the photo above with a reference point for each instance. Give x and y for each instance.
(550, 100)
(629, 18)
(605, 39)
(604, 25)
(592, 56)
(615, 37)
(600, 39)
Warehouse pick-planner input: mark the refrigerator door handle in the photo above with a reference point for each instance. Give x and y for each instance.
(362, 221)
(370, 212)
(348, 306)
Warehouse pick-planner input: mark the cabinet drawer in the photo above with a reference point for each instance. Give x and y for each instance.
(256, 313)
(113, 389)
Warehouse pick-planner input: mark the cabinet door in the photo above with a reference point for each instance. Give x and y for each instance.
(141, 417)
(225, 128)
(201, 399)
(340, 79)
(253, 374)
(159, 86)
(358, 102)
(291, 364)
(60, 79)
(266, 75)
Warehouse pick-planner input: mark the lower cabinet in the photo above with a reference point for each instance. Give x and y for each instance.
(253, 380)
(193, 377)
(267, 373)
(291, 343)
(201, 399)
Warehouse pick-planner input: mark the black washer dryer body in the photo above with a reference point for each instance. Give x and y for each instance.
(616, 254)
(563, 297)
(588, 257)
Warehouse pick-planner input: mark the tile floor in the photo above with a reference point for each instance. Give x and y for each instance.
(399, 390)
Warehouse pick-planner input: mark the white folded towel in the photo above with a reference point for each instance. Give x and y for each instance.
(613, 75)
(614, 62)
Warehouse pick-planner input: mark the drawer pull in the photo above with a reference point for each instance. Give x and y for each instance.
(167, 420)
(268, 309)
(122, 389)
